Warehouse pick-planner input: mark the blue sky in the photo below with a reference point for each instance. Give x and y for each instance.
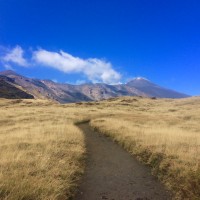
(107, 41)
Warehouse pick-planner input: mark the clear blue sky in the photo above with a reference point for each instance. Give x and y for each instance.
(159, 40)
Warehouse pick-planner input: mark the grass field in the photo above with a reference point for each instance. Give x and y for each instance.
(42, 151)
(164, 134)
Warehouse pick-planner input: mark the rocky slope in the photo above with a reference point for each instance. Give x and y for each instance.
(9, 91)
(151, 89)
(63, 93)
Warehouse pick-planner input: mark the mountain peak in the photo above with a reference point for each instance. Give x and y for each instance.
(140, 79)
(63, 93)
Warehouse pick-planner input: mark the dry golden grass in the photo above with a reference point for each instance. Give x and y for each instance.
(42, 151)
(164, 134)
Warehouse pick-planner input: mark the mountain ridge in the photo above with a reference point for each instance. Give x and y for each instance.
(10, 91)
(65, 93)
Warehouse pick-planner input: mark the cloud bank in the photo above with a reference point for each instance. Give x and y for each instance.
(94, 69)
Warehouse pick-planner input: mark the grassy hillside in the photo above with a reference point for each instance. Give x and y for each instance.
(42, 151)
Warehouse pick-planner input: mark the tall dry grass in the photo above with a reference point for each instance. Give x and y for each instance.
(164, 134)
(41, 151)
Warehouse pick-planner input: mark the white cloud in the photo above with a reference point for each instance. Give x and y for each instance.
(15, 55)
(96, 70)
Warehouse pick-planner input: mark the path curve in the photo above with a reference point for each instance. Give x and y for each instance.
(113, 174)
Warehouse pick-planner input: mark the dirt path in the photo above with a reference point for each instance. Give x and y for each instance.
(114, 174)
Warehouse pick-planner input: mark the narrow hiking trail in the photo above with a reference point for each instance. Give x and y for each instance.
(113, 174)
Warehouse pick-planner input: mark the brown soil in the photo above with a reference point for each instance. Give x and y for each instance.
(113, 174)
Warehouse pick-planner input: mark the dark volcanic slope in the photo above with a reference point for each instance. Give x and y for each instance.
(47, 89)
(153, 90)
(11, 92)
(112, 173)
